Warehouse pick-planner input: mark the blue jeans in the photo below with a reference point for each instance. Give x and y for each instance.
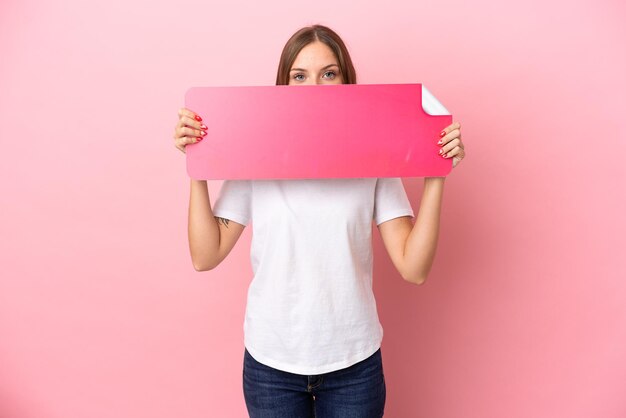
(357, 391)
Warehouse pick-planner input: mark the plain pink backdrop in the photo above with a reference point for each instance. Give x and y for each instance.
(101, 311)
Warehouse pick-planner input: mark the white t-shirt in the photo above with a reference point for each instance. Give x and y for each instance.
(310, 307)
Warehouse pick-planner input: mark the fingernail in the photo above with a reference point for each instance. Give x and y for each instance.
(198, 118)
(440, 141)
(203, 126)
(203, 133)
(444, 155)
(442, 133)
(441, 151)
(200, 139)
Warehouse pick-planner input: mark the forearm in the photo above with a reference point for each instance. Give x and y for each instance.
(421, 244)
(203, 231)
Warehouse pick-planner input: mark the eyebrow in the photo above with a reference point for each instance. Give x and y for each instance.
(323, 68)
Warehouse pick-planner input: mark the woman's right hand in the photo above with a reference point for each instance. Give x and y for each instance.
(188, 130)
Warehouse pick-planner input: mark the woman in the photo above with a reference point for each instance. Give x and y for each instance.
(312, 335)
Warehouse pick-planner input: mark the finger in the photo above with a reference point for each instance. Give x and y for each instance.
(186, 112)
(187, 121)
(458, 158)
(186, 131)
(449, 146)
(192, 139)
(449, 136)
(456, 151)
(182, 142)
(450, 128)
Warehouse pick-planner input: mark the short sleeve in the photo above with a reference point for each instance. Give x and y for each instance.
(234, 201)
(390, 200)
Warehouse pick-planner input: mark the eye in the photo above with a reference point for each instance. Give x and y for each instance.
(330, 72)
(298, 75)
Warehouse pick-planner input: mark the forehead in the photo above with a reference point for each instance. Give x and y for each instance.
(315, 54)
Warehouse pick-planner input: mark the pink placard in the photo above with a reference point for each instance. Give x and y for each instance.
(315, 131)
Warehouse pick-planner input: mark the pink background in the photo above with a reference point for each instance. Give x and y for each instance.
(101, 311)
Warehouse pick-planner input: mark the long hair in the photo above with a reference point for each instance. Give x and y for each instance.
(310, 34)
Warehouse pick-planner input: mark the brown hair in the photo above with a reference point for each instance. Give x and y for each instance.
(310, 34)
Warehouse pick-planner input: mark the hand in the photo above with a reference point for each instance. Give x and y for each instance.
(184, 133)
(451, 144)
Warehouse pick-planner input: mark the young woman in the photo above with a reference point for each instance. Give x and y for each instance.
(312, 334)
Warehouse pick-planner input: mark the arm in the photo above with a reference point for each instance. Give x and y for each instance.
(412, 247)
(211, 238)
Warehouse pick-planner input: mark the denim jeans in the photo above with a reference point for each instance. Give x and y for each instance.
(357, 391)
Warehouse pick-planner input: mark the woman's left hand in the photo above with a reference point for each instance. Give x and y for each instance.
(451, 144)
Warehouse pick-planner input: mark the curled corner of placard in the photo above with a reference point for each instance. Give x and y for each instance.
(431, 105)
